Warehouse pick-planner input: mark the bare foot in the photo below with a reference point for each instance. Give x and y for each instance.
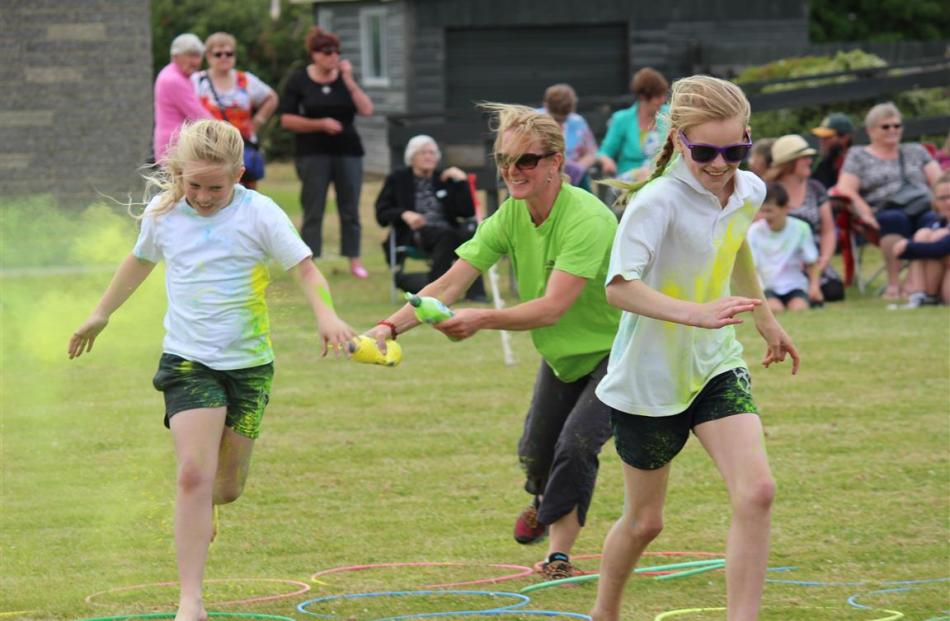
(191, 611)
(891, 293)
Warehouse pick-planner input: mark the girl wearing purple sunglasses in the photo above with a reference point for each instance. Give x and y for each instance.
(675, 365)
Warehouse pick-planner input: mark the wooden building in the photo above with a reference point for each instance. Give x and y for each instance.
(417, 57)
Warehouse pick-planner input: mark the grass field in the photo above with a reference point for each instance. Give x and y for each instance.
(361, 464)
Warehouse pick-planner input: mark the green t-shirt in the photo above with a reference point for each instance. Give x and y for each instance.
(575, 238)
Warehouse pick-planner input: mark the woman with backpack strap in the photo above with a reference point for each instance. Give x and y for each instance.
(238, 97)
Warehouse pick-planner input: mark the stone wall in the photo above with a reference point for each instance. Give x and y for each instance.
(75, 97)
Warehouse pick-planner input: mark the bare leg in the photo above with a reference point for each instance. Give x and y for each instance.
(234, 460)
(563, 533)
(776, 305)
(735, 445)
(797, 304)
(931, 269)
(640, 524)
(197, 435)
(892, 263)
(945, 286)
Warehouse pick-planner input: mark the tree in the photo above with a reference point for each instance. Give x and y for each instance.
(878, 20)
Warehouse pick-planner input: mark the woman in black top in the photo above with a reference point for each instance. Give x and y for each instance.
(319, 105)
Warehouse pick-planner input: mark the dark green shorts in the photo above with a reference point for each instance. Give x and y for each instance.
(189, 385)
(651, 442)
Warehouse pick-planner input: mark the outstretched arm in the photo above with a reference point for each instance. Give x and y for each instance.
(745, 282)
(561, 292)
(333, 330)
(131, 273)
(635, 296)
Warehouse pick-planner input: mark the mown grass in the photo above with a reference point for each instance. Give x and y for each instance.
(360, 464)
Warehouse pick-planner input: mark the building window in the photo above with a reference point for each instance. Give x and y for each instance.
(373, 47)
(325, 18)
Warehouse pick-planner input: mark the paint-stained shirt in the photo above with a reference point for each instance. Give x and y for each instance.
(677, 238)
(216, 274)
(781, 256)
(575, 238)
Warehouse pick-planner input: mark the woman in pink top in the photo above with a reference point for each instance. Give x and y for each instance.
(175, 97)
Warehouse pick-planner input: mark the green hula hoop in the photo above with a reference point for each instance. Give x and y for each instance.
(171, 615)
(701, 566)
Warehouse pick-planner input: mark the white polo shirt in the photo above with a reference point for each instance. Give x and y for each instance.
(677, 238)
(216, 274)
(781, 256)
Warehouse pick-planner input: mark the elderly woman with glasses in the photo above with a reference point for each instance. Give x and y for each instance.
(175, 98)
(238, 97)
(319, 105)
(426, 207)
(873, 174)
(558, 238)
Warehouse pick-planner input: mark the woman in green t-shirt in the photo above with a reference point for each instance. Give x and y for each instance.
(558, 238)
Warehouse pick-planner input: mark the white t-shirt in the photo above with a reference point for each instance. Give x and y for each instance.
(216, 274)
(781, 256)
(677, 238)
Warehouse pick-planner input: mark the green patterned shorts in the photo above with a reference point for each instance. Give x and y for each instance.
(651, 442)
(190, 385)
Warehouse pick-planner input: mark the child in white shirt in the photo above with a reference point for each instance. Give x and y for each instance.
(783, 249)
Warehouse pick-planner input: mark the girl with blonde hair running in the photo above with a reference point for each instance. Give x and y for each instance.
(216, 238)
(676, 364)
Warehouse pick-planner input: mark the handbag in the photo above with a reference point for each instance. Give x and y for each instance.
(253, 157)
(912, 199)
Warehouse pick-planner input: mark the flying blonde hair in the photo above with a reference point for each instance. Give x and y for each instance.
(214, 142)
(527, 124)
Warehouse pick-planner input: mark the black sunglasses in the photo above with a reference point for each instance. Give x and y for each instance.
(705, 153)
(328, 50)
(892, 125)
(525, 161)
(223, 54)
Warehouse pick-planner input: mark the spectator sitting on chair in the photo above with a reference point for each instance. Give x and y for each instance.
(560, 101)
(835, 134)
(636, 134)
(782, 248)
(808, 201)
(873, 174)
(760, 156)
(928, 280)
(423, 205)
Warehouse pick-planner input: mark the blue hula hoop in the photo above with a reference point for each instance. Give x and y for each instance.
(522, 600)
(171, 615)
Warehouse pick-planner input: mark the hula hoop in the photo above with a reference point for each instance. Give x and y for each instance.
(587, 557)
(171, 615)
(304, 587)
(490, 613)
(660, 572)
(522, 600)
(521, 572)
(683, 611)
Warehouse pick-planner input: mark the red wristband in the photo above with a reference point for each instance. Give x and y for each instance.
(391, 326)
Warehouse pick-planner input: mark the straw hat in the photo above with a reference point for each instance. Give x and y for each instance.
(788, 148)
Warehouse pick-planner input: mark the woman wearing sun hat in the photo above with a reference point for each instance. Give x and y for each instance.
(791, 164)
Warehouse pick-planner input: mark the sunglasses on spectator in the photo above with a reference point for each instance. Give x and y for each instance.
(891, 126)
(705, 153)
(328, 50)
(228, 54)
(525, 161)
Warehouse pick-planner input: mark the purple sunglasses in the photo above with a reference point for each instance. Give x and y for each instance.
(705, 153)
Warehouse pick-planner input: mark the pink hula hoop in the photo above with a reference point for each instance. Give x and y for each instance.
(304, 587)
(521, 571)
